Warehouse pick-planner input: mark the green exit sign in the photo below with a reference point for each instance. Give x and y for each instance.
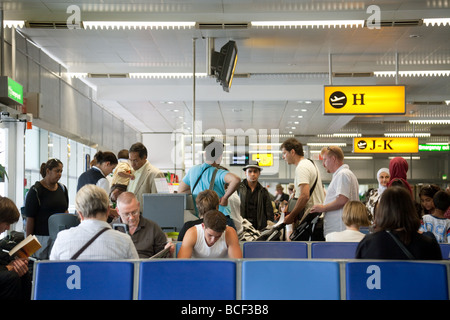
(436, 147)
(15, 91)
(11, 92)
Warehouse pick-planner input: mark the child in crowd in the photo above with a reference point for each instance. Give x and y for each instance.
(436, 222)
(354, 215)
(426, 195)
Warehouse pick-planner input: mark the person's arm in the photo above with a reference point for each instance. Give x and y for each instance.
(232, 240)
(31, 210)
(233, 184)
(299, 205)
(184, 188)
(338, 203)
(187, 246)
(269, 207)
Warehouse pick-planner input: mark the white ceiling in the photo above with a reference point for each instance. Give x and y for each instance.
(288, 67)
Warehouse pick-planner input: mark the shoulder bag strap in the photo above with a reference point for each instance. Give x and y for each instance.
(400, 244)
(213, 178)
(195, 185)
(76, 255)
(315, 182)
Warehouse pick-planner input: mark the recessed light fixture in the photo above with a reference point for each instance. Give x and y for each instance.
(13, 23)
(164, 75)
(440, 121)
(423, 73)
(327, 144)
(138, 25)
(408, 134)
(307, 24)
(437, 22)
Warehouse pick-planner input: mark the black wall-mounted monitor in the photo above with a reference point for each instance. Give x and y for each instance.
(239, 159)
(223, 64)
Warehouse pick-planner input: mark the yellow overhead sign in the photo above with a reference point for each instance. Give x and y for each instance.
(263, 159)
(364, 100)
(385, 145)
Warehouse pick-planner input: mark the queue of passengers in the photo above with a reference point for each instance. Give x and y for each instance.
(224, 205)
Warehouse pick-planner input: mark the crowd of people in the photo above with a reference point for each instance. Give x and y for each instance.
(111, 192)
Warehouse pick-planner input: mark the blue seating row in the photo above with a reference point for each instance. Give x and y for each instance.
(306, 250)
(311, 250)
(241, 279)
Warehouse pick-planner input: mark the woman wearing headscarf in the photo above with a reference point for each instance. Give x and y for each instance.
(398, 167)
(375, 194)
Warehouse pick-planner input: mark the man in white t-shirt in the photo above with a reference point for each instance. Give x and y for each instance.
(306, 174)
(343, 187)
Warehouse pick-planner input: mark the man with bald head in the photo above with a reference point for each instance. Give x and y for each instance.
(343, 187)
(147, 236)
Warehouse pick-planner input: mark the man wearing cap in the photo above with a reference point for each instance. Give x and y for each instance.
(256, 205)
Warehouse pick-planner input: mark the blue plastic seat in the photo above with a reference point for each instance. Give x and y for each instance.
(333, 250)
(396, 280)
(187, 280)
(445, 249)
(61, 221)
(275, 249)
(290, 280)
(83, 280)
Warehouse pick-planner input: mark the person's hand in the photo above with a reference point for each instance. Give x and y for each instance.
(171, 246)
(317, 208)
(223, 201)
(20, 266)
(113, 213)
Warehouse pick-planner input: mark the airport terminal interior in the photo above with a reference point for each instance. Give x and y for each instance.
(372, 77)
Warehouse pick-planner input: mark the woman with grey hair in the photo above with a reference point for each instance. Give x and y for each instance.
(93, 238)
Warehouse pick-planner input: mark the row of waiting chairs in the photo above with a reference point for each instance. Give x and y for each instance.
(309, 250)
(241, 279)
(306, 250)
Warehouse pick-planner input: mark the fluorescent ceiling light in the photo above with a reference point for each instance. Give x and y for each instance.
(392, 134)
(138, 25)
(339, 135)
(326, 144)
(437, 22)
(447, 102)
(423, 73)
(441, 121)
(165, 75)
(306, 24)
(13, 23)
(358, 158)
(77, 74)
(406, 158)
